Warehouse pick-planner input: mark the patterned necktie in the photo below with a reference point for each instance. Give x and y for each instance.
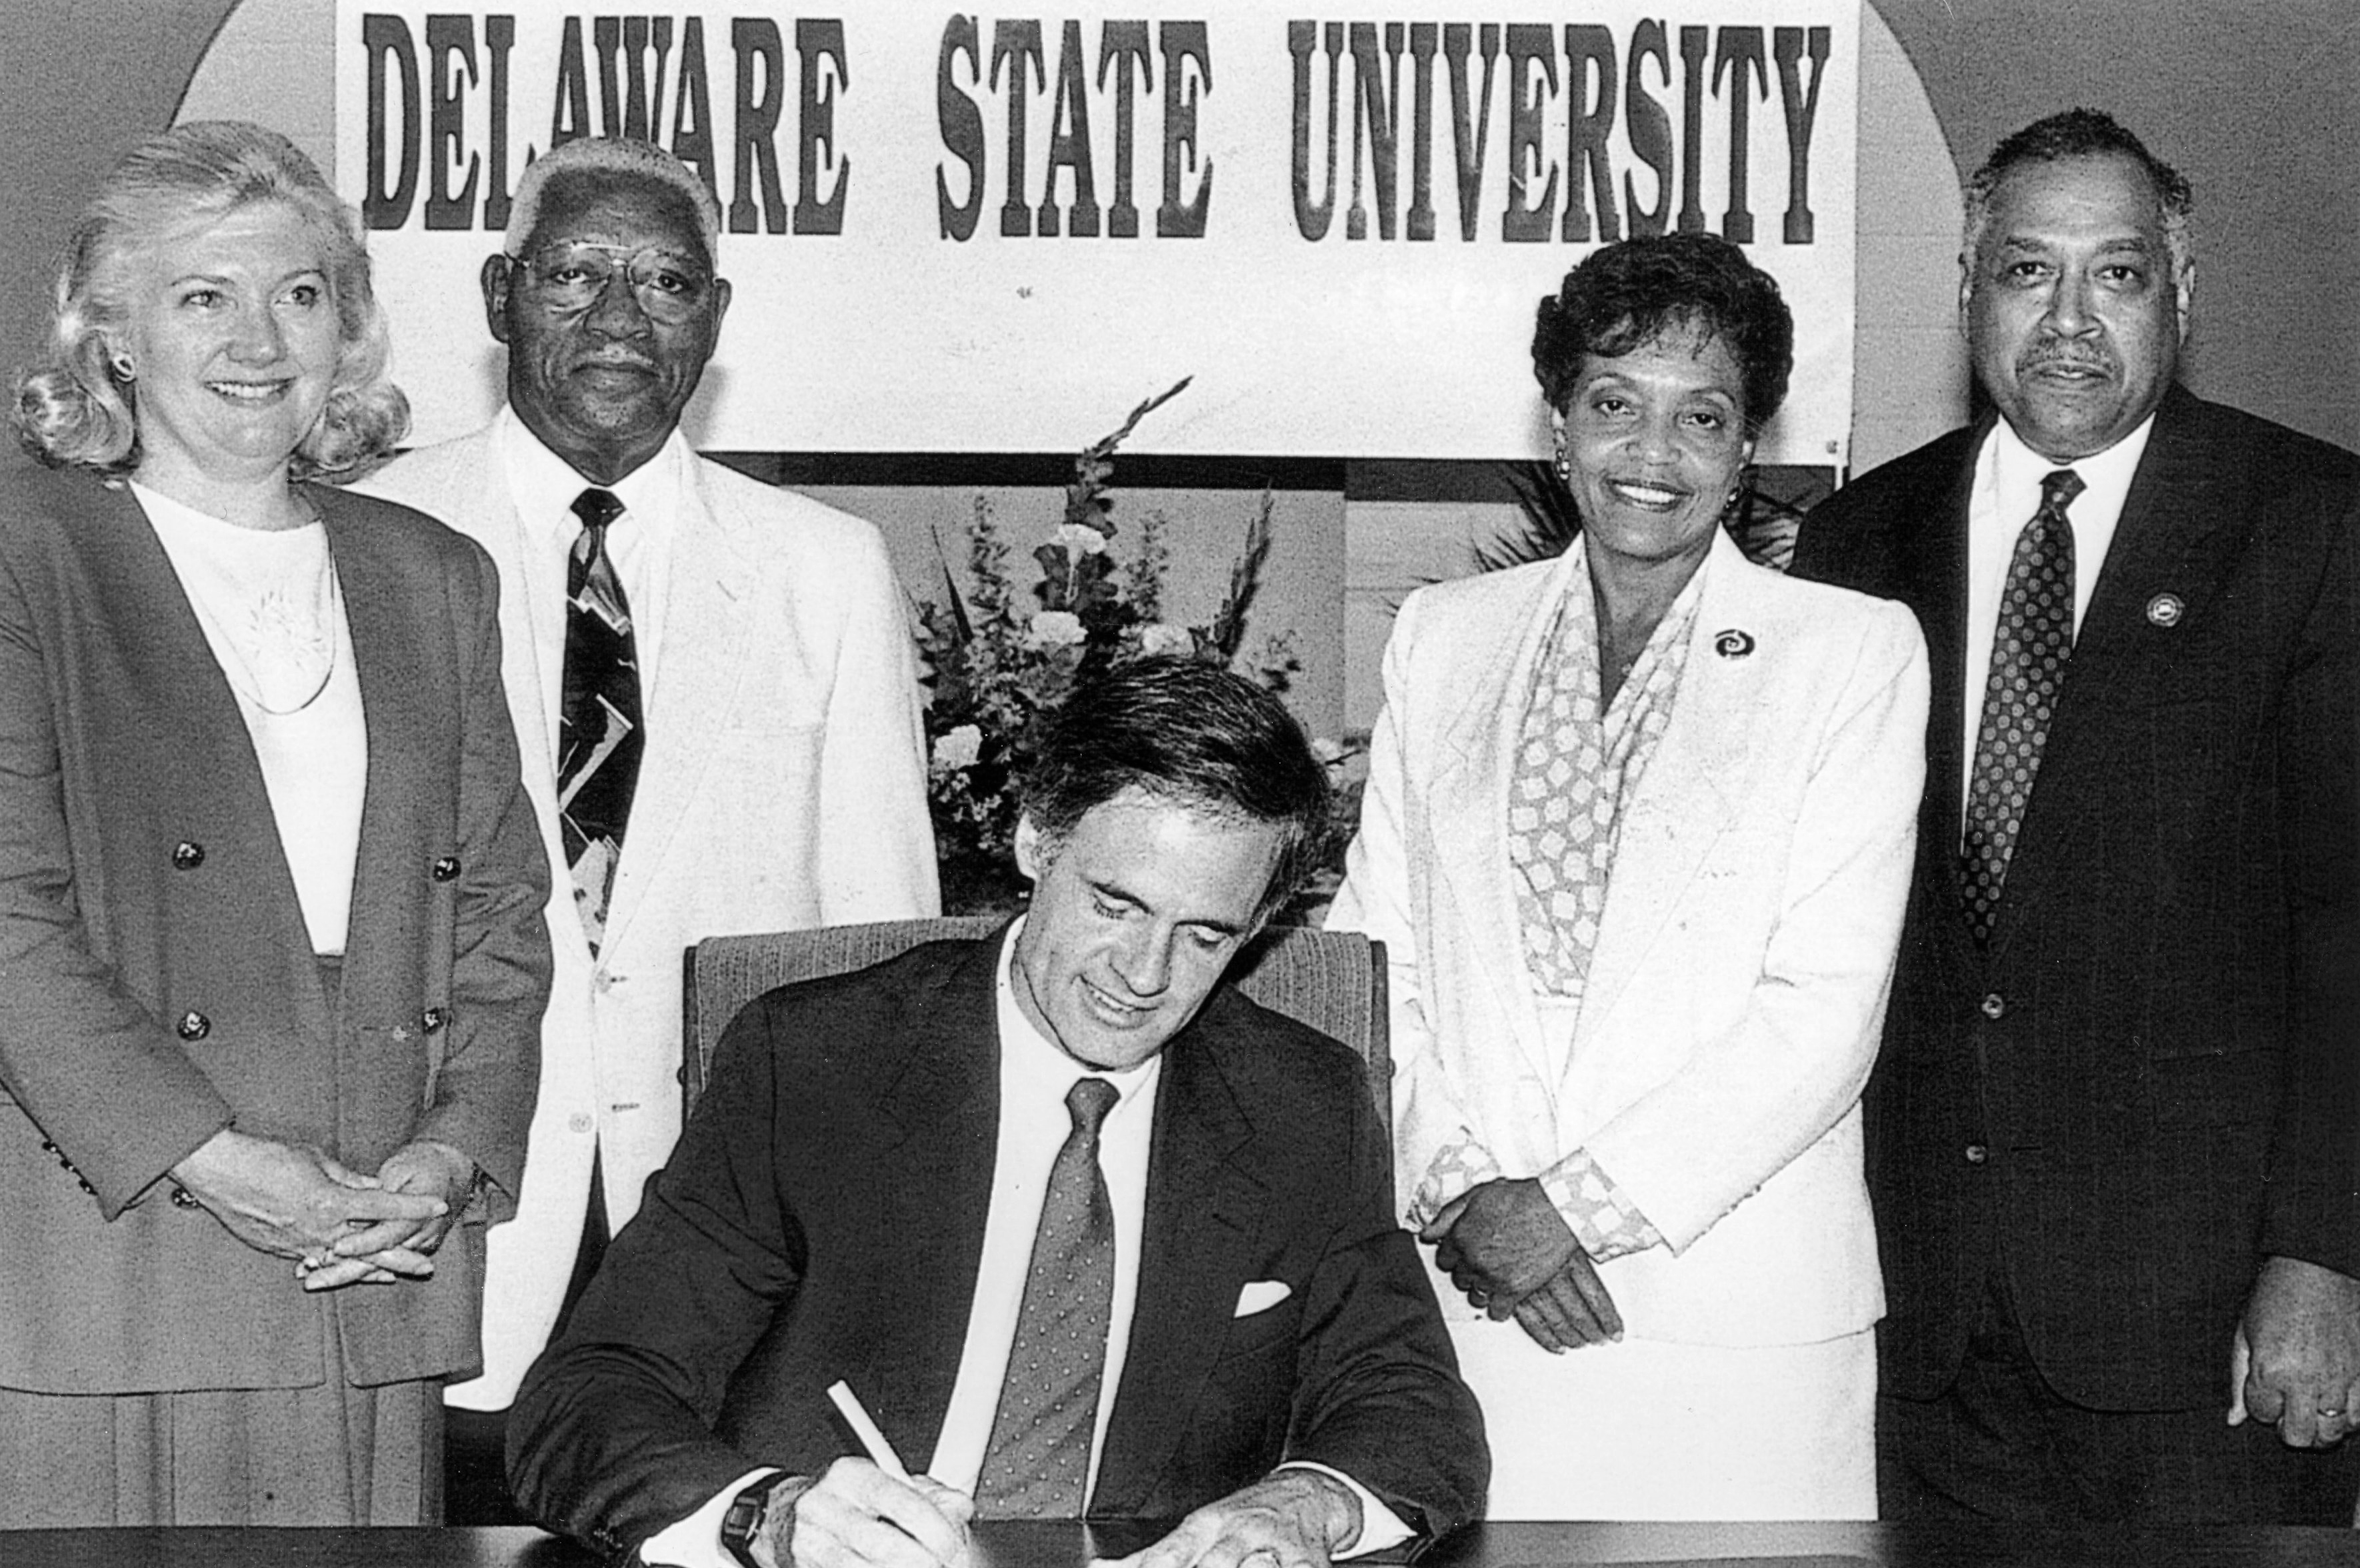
(599, 738)
(1037, 1464)
(2035, 639)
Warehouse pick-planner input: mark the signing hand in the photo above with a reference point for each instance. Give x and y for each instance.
(1571, 1310)
(857, 1516)
(292, 1202)
(1293, 1519)
(1500, 1242)
(398, 1248)
(2295, 1363)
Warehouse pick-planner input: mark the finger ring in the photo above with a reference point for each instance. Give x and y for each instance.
(2336, 1411)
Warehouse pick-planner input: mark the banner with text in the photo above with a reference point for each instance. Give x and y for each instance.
(955, 232)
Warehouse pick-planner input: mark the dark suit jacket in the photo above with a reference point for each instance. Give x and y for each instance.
(823, 1219)
(2146, 1085)
(143, 888)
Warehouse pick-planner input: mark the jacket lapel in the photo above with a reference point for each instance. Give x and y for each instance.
(1931, 579)
(193, 712)
(1204, 1208)
(699, 675)
(1469, 819)
(2170, 539)
(943, 1105)
(1691, 787)
(394, 663)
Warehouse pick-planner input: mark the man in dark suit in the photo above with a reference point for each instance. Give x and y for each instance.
(1088, 1232)
(2110, 1136)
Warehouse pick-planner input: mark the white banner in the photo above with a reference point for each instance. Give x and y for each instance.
(953, 231)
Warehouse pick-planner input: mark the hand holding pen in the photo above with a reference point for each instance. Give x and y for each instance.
(866, 1513)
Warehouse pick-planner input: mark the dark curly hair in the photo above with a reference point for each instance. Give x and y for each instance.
(1628, 294)
(1188, 731)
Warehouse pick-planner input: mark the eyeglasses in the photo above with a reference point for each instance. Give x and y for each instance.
(574, 275)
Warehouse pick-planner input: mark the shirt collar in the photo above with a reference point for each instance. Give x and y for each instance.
(543, 485)
(2105, 476)
(1034, 1064)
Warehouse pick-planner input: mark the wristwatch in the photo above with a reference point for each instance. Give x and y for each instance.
(749, 1513)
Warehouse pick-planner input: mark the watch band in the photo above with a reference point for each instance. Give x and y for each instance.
(749, 1513)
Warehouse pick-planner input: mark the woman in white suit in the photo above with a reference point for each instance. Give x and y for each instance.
(1637, 837)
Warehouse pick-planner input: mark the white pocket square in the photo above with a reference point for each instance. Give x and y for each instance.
(1260, 1296)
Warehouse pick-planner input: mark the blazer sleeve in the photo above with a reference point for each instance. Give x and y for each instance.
(105, 1081)
(611, 1436)
(1746, 1104)
(876, 839)
(483, 1094)
(2312, 1199)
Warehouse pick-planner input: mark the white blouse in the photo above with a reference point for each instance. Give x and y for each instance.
(273, 614)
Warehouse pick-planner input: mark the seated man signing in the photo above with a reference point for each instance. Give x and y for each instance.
(1084, 1229)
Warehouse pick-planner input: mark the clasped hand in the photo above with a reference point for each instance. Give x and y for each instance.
(341, 1227)
(1510, 1252)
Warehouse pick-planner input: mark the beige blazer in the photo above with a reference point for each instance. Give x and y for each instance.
(784, 786)
(1739, 977)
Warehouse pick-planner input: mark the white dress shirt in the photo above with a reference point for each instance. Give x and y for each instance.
(543, 486)
(2006, 494)
(1035, 1075)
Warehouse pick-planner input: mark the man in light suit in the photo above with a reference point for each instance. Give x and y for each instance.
(2111, 1135)
(779, 777)
(869, 1191)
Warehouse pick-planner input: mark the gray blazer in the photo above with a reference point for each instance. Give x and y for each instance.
(157, 979)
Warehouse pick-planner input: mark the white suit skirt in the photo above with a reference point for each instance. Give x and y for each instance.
(1648, 1430)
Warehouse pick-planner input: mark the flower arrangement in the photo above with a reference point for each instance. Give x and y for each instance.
(1002, 656)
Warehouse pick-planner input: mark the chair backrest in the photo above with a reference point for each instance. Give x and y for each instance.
(1333, 981)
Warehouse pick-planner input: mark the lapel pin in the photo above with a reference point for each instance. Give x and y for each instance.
(2165, 610)
(1732, 644)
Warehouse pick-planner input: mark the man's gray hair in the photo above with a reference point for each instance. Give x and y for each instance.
(2078, 133)
(610, 158)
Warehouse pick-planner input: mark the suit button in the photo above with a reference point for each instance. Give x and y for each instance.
(578, 1122)
(1994, 1005)
(434, 1019)
(187, 854)
(445, 869)
(1977, 1154)
(194, 1025)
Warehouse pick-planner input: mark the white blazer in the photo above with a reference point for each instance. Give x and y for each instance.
(1738, 987)
(784, 786)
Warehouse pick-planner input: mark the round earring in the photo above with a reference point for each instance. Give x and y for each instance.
(122, 368)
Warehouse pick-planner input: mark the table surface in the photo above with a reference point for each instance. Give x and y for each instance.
(1498, 1545)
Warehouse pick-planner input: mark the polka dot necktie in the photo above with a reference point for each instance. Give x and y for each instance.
(2034, 640)
(599, 738)
(1037, 1464)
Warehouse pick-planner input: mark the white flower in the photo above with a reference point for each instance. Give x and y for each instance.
(1163, 638)
(1053, 628)
(1080, 539)
(958, 748)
